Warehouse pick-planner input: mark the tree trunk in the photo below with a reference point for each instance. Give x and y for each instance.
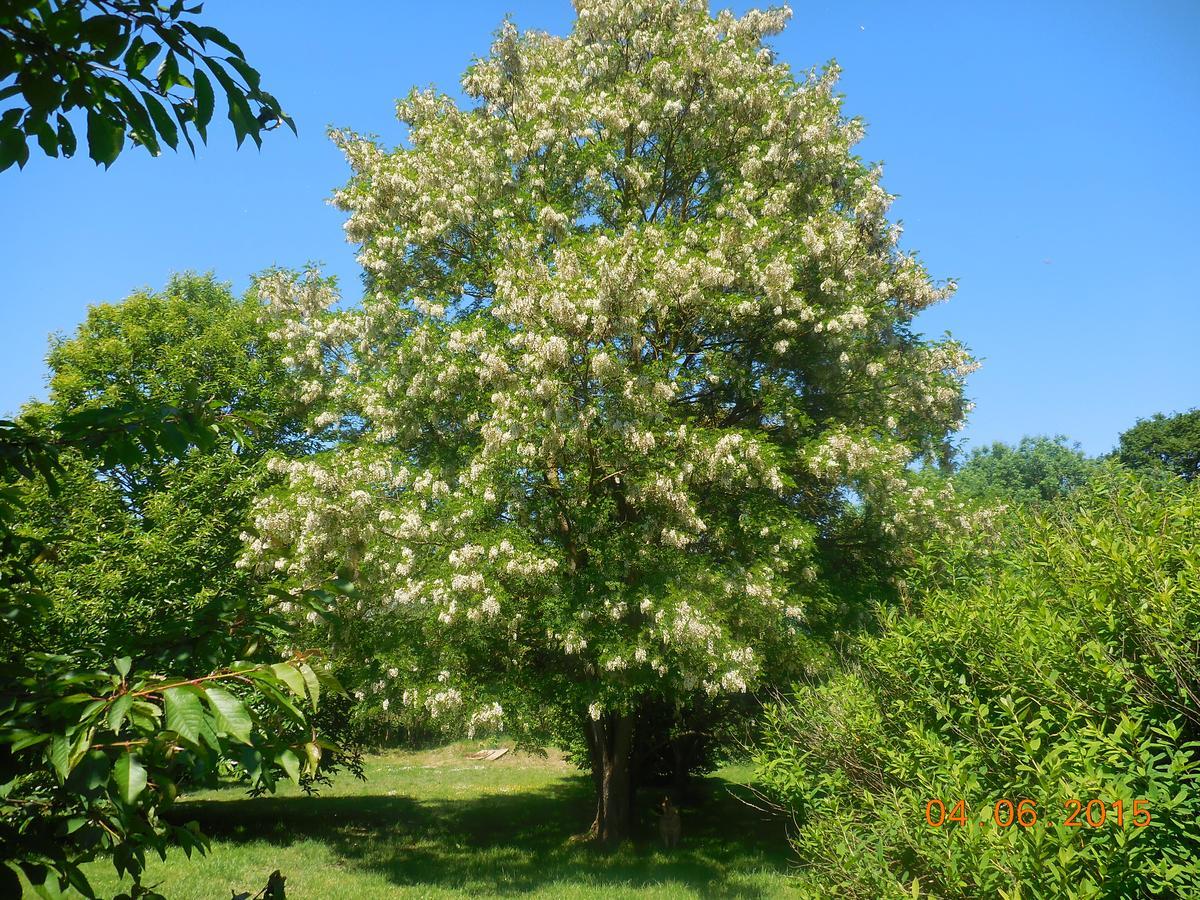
(681, 758)
(610, 740)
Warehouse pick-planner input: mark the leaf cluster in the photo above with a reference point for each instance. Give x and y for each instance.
(90, 755)
(138, 69)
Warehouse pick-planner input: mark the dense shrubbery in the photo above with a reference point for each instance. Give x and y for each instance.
(1063, 667)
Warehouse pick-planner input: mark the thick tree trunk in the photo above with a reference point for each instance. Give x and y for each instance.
(610, 741)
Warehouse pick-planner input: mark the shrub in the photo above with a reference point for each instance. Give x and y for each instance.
(1064, 667)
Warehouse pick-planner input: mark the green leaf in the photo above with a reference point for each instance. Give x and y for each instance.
(290, 763)
(28, 739)
(106, 137)
(208, 33)
(139, 55)
(137, 117)
(231, 715)
(46, 136)
(331, 684)
(66, 136)
(168, 73)
(204, 102)
(130, 777)
(268, 690)
(147, 711)
(91, 774)
(313, 683)
(59, 754)
(243, 119)
(248, 73)
(13, 148)
(162, 121)
(185, 715)
(118, 711)
(122, 664)
(290, 675)
(185, 114)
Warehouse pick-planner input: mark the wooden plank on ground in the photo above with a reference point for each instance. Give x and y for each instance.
(490, 755)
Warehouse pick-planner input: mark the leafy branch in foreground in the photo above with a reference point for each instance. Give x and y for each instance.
(92, 752)
(88, 758)
(96, 55)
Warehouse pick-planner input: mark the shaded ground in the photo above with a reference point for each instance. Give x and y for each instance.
(435, 824)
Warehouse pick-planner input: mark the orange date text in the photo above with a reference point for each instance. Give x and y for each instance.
(1073, 813)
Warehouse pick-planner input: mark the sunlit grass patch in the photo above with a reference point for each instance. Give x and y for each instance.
(436, 824)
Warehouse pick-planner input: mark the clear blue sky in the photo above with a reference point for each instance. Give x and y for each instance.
(1045, 153)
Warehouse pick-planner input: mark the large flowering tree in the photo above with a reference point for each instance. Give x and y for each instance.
(637, 334)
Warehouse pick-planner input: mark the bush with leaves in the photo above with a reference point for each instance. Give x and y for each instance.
(1066, 667)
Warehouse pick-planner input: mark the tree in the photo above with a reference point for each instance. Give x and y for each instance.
(1036, 470)
(1163, 444)
(635, 328)
(126, 493)
(92, 750)
(95, 56)
(149, 545)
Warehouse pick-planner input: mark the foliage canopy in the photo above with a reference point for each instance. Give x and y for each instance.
(636, 323)
(1036, 470)
(1161, 443)
(135, 660)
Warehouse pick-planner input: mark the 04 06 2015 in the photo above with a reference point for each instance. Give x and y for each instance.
(1025, 813)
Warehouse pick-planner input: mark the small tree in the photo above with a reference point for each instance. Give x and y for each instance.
(636, 328)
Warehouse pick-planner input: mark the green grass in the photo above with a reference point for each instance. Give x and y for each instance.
(435, 824)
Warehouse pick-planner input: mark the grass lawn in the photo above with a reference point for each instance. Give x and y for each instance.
(435, 824)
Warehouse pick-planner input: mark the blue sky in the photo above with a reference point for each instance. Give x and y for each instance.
(1045, 154)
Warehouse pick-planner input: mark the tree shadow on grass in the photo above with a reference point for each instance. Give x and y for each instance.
(511, 843)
